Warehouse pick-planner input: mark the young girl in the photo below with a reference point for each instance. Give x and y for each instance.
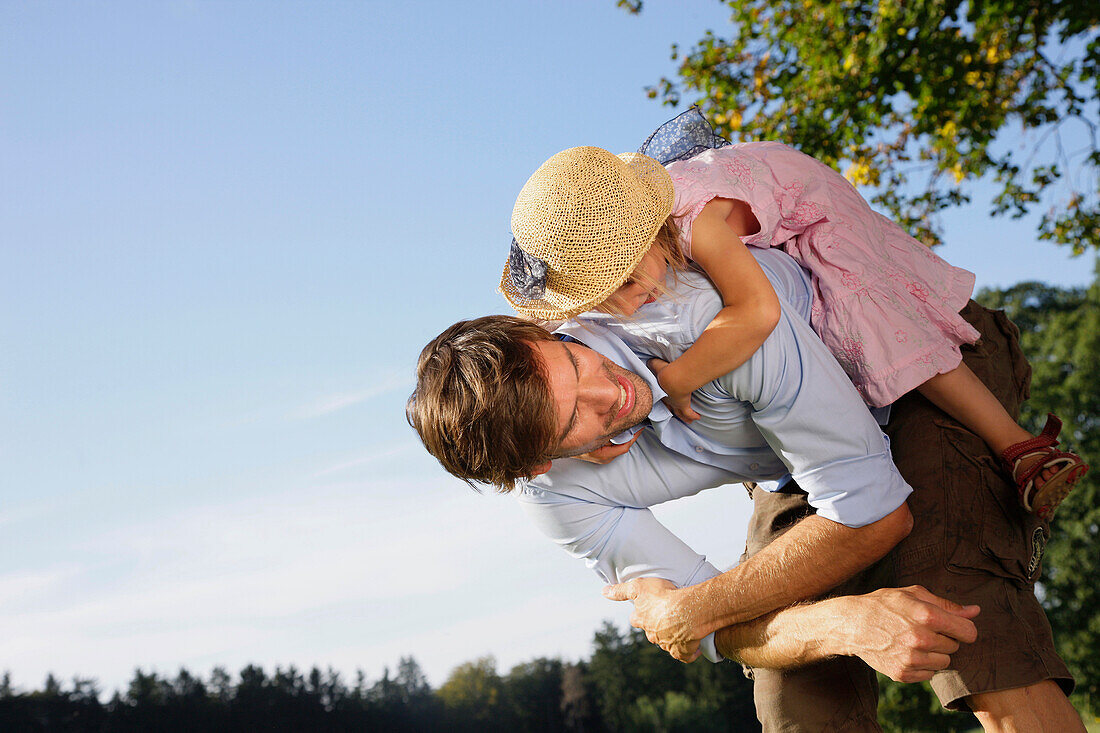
(884, 304)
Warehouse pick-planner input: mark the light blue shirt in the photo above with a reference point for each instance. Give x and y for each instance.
(789, 409)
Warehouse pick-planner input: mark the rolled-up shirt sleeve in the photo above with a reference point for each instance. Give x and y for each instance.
(619, 542)
(622, 541)
(813, 418)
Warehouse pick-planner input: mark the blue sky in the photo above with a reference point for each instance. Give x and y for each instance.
(226, 231)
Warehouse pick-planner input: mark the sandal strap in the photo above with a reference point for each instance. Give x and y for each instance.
(1026, 482)
(1055, 459)
(1069, 464)
(1045, 439)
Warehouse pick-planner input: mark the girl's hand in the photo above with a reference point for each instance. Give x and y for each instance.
(679, 404)
(681, 407)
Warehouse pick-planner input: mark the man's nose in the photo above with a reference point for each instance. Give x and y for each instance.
(600, 394)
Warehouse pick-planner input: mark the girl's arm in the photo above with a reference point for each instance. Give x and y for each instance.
(751, 307)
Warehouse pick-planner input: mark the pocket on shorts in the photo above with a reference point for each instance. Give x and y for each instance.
(986, 529)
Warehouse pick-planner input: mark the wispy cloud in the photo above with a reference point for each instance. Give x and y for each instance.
(19, 585)
(335, 402)
(370, 457)
(352, 573)
(244, 580)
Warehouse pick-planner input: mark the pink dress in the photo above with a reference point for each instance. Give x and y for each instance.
(885, 305)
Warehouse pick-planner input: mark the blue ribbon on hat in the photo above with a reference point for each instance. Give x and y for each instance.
(528, 272)
(684, 136)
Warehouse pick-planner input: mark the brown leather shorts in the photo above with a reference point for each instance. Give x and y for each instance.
(971, 543)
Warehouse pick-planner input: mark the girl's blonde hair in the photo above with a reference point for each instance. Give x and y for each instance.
(666, 245)
(668, 241)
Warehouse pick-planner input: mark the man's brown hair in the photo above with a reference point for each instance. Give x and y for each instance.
(482, 406)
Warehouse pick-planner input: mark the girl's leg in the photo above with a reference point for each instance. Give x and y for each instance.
(962, 395)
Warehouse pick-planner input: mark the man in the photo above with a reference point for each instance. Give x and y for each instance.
(788, 409)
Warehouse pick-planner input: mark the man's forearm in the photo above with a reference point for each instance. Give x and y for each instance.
(906, 633)
(810, 558)
(788, 638)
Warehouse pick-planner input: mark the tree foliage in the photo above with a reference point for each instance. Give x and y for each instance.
(652, 692)
(913, 707)
(640, 688)
(916, 98)
(1060, 333)
(473, 696)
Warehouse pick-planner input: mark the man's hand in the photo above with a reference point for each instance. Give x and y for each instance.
(908, 634)
(609, 452)
(657, 612)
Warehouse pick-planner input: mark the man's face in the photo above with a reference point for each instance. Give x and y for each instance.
(594, 398)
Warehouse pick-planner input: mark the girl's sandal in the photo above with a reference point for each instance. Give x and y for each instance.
(1037, 494)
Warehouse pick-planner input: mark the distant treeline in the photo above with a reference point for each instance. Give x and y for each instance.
(626, 685)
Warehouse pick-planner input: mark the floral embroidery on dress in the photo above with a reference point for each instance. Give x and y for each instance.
(918, 291)
(806, 213)
(795, 212)
(741, 171)
(694, 168)
(900, 336)
(852, 353)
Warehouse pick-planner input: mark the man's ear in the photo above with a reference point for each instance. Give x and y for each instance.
(541, 469)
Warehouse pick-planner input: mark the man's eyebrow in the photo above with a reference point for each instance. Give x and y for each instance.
(577, 373)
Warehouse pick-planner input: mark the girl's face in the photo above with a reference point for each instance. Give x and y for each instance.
(643, 286)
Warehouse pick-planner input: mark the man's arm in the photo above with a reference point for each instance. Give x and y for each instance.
(906, 633)
(810, 558)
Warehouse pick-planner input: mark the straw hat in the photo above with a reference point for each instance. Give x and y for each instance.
(582, 223)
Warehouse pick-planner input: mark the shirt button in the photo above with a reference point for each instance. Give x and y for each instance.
(699, 449)
(754, 466)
